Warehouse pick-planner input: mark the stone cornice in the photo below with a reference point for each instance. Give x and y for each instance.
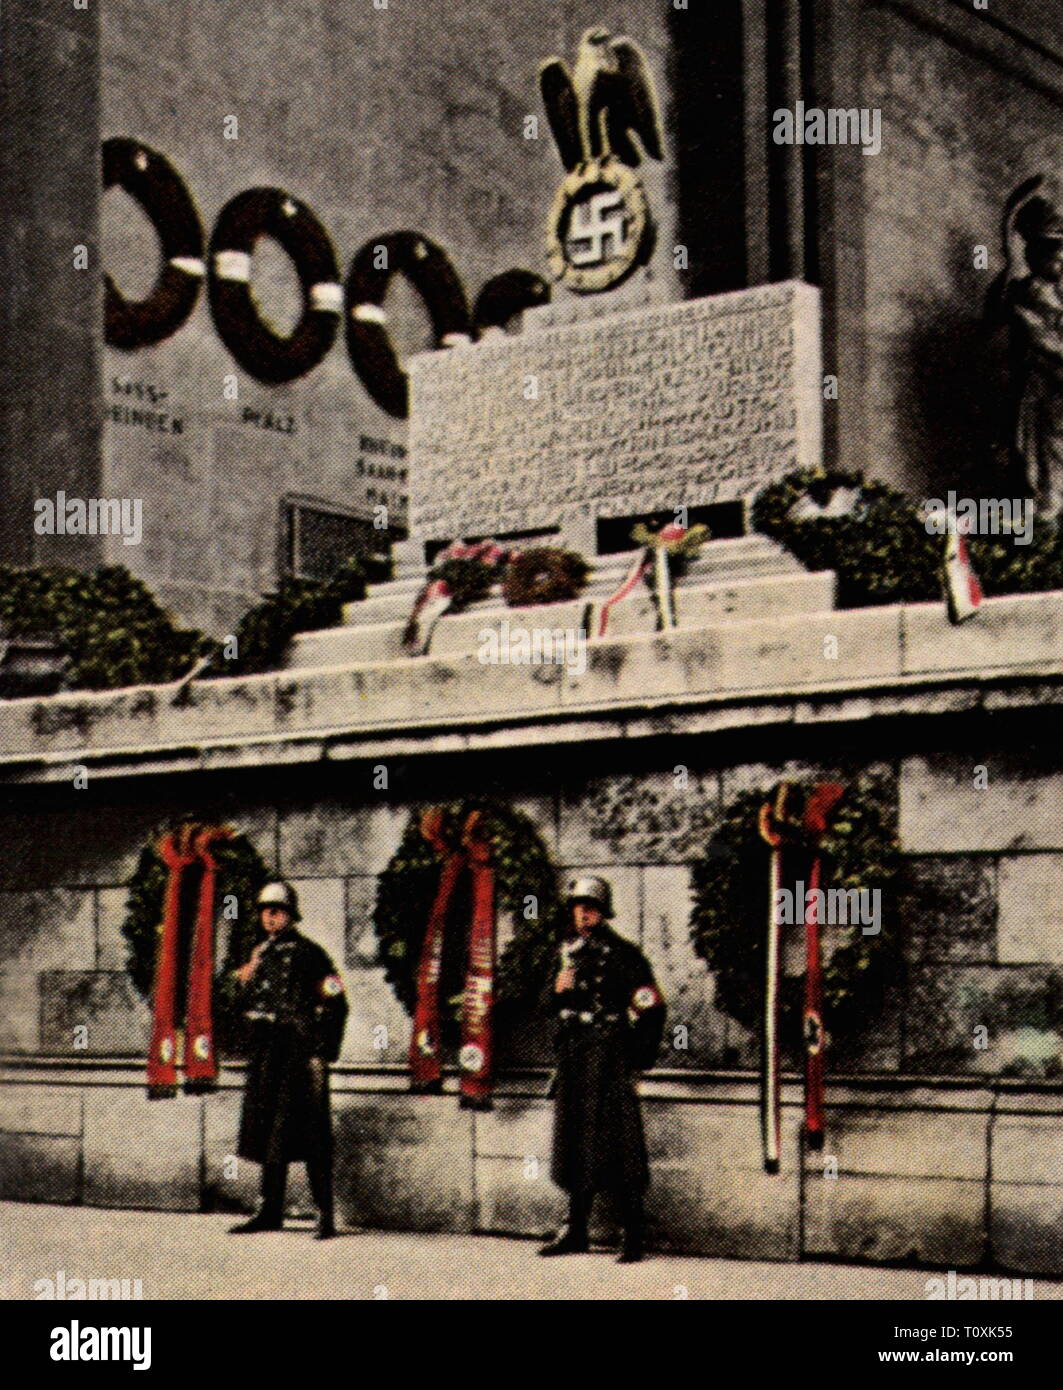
(903, 661)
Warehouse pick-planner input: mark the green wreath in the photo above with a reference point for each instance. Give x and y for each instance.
(729, 915)
(525, 880)
(241, 873)
(544, 574)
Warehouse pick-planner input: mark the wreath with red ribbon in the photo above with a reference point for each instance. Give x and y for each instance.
(526, 893)
(730, 909)
(241, 873)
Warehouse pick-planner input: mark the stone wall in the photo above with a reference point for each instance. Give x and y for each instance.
(935, 1136)
(971, 104)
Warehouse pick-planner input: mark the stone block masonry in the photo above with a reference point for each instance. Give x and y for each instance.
(683, 404)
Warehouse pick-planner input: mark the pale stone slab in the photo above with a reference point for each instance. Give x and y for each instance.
(48, 929)
(348, 645)
(1028, 1149)
(20, 1009)
(244, 705)
(404, 1162)
(517, 1128)
(39, 1168)
(1026, 1227)
(944, 807)
(604, 418)
(373, 1007)
(1030, 909)
(361, 945)
(112, 949)
(93, 1013)
(161, 1169)
(708, 605)
(467, 632)
(909, 1144)
(709, 1192)
(696, 1033)
(321, 903)
(517, 1198)
(230, 1182)
(934, 1222)
(1013, 630)
(37, 1109)
(332, 838)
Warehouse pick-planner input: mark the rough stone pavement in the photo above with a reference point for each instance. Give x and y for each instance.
(183, 1255)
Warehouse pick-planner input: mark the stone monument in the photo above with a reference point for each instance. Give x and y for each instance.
(680, 405)
(599, 410)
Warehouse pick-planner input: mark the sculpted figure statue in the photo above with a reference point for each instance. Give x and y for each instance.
(1028, 295)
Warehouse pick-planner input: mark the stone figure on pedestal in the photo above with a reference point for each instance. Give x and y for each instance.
(1032, 305)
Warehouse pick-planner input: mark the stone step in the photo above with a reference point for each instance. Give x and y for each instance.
(696, 605)
(739, 558)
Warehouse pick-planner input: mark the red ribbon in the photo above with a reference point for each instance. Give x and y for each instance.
(818, 812)
(178, 853)
(426, 1067)
(638, 568)
(476, 1054)
(179, 850)
(201, 1067)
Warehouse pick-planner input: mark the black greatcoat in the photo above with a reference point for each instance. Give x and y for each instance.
(297, 1010)
(609, 1028)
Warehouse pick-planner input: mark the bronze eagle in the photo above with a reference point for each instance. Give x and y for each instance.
(606, 100)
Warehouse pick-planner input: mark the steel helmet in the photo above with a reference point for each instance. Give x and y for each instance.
(280, 894)
(591, 889)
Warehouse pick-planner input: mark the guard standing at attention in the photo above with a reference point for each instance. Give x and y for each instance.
(296, 1006)
(610, 1021)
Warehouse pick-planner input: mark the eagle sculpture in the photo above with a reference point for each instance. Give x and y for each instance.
(607, 99)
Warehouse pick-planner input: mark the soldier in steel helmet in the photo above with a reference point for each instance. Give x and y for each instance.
(295, 1004)
(610, 1020)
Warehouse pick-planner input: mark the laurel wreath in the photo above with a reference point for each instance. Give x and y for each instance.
(241, 873)
(525, 879)
(729, 915)
(544, 574)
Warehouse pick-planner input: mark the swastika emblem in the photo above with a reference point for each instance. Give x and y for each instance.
(600, 229)
(597, 230)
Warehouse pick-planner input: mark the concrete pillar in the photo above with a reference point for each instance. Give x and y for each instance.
(50, 312)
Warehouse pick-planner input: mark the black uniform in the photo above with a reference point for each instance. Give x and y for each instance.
(609, 1028)
(297, 1009)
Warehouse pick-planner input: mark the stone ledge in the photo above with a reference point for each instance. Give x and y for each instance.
(1010, 1096)
(890, 661)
